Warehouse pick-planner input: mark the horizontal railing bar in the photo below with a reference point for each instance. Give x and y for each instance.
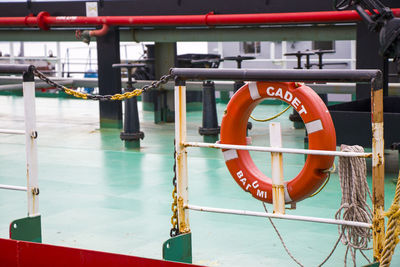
(13, 187)
(6, 83)
(279, 216)
(277, 75)
(280, 149)
(41, 85)
(6, 131)
(15, 68)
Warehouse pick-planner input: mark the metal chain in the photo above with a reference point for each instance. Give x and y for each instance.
(174, 207)
(137, 92)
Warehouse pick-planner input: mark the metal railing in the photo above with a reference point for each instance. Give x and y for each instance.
(28, 87)
(374, 77)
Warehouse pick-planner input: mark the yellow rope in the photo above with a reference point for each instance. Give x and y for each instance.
(393, 228)
(273, 117)
(326, 181)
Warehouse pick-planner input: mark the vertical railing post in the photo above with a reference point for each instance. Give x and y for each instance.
(278, 192)
(181, 155)
(31, 145)
(378, 167)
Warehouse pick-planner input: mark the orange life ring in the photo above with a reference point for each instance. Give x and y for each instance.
(321, 136)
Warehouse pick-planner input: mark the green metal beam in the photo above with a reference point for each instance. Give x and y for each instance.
(278, 33)
(54, 35)
(323, 32)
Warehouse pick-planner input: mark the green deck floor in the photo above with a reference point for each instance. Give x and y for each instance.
(95, 194)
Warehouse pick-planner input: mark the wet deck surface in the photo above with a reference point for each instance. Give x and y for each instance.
(95, 194)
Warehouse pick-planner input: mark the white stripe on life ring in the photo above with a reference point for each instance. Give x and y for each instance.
(314, 126)
(287, 196)
(253, 89)
(230, 154)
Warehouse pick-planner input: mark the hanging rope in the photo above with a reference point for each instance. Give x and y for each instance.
(281, 239)
(354, 207)
(273, 117)
(393, 228)
(331, 170)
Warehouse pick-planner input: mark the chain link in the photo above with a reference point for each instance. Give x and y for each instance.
(137, 92)
(174, 207)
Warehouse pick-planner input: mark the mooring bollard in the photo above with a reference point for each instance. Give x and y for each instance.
(210, 128)
(131, 134)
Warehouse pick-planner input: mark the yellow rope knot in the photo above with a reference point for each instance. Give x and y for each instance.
(393, 211)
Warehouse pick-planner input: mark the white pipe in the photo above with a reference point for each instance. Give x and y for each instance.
(31, 147)
(279, 216)
(59, 64)
(283, 150)
(6, 131)
(13, 187)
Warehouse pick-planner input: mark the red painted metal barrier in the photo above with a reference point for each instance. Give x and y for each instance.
(15, 253)
(44, 20)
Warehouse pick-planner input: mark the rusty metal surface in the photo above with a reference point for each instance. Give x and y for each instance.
(378, 172)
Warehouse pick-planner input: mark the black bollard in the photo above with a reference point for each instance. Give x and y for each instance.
(239, 84)
(295, 117)
(131, 134)
(210, 128)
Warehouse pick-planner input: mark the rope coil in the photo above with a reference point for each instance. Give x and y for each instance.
(354, 207)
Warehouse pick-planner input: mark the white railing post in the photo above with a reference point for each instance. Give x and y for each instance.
(30, 144)
(278, 192)
(181, 156)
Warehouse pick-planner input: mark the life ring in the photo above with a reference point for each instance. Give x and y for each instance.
(319, 126)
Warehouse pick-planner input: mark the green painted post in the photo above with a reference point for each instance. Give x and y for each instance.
(178, 248)
(27, 229)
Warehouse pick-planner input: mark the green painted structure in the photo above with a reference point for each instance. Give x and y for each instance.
(27, 229)
(97, 194)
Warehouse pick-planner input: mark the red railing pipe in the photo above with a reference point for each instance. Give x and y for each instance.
(44, 20)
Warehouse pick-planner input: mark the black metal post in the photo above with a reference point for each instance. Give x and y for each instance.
(367, 56)
(210, 128)
(109, 78)
(238, 60)
(308, 64)
(385, 72)
(165, 57)
(131, 134)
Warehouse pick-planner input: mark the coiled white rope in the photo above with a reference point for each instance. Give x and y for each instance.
(354, 206)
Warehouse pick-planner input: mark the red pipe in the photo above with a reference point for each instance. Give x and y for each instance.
(44, 21)
(100, 32)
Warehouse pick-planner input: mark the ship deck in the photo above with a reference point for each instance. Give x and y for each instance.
(96, 194)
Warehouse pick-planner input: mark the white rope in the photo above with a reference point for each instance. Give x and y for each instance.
(354, 207)
(281, 239)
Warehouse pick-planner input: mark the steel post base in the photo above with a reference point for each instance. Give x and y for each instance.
(27, 229)
(178, 248)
